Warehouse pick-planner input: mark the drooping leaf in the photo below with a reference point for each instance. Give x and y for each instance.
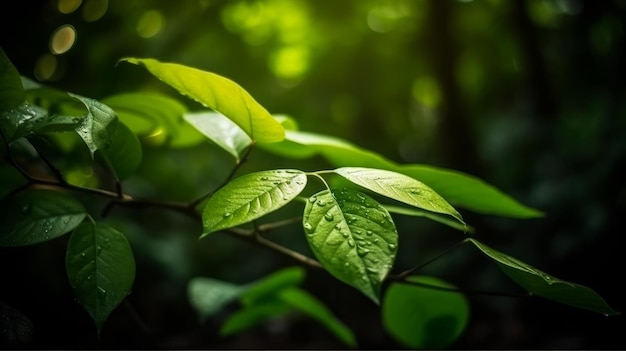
(100, 267)
(221, 130)
(98, 127)
(542, 284)
(430, 215)
(353, 237)
(11, 90)
(270, 286)
(424, 318)
(35, 216)
(155, 117)
(207, 296)
(312, 307)
(399, 187)
(251, 196)
(220, 94)
(460, 189)
(253, 315)
(124, 153)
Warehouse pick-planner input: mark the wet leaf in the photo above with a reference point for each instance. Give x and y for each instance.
(98, 128)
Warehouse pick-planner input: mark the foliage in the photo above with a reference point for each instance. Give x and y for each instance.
(347, 215)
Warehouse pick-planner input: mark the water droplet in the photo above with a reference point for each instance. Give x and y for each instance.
(26, 208)
(329, 217)
(102, 292)
(345, 234)
(392, 247)
(88, 277)
(83, 254)
(312, 199)
(338, 226)
(372, 269)
(98, 249)
(308, 227)
(227, 214)
(351, 242)
(264, 178)
(321, 203)
(347, 264)
(369, 233)
(362, 252)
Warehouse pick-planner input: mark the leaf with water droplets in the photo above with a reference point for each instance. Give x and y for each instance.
(100, 267)
(98, 127)
(353, 237)
(35, 216)
(249, 197)
(542, 284)
(399, 187)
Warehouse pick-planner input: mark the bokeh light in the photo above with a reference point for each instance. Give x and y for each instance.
(150, 24)
(62, 39)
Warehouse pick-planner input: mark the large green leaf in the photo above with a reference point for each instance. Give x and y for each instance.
(155, 117)
(221, 130)
(542, 284)
(399, 187)
(11, 90)
(459, 189)
(207, 296)
(220, 94)
(353, 237)
(424, 318)
(97, 129)
(36, 216)
(100, 267)
(251, 196)
(124, 153)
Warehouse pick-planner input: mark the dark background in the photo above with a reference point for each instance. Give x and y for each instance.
(527, 95)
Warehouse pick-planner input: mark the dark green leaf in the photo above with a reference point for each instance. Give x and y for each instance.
(36, 216)
(208, 296)
(270, 286)
(353, 237)
(11, 90)
(542, 284)
(100, 267)
(124, 153)
(424, 318)
(98, 127)
(253, 315)
(220, 94)
(250, 197)
(221, 130)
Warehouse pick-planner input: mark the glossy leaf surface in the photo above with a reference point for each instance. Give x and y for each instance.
(36, 216)
(100, 267)
(424, 318)
(220, 130)
(98, 128)
(220, 94)
(251, 196)
(353, 237)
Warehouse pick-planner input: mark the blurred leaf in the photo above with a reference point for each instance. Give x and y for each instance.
(207, 296)
(100, 267)
(220, 94)
(253, 315)
(249, 197)
(124, 153)
(35, 216)
(353, 237)
(269, 286)
(221, 130)
(457, 188)
(399, 187)
(433, 216)
(15, 328)
(98, 127)
(544, 285)
(11, 90)
(424, 318)
(312, 307)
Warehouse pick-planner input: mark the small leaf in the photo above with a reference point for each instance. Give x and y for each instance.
(545, 285)
(207, 296)
(269, 286)
(100, 267)
(221, 130)
(124, 153)
(36, 216)
(424, 318)
(312, 307)
(220, 94)
(250, 197)
(98, 127)
(353, 237)
(399, 187)
(430, 215)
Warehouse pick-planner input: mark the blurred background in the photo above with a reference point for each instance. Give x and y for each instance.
(527, 95)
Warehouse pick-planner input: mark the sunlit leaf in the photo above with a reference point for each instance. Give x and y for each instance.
(430, 215)
(399, 187)
(251, 196)
(269, 286)
(353, 237)
(11, 90)
(542, 284)
(124, 153)
(424, 318)
(100, 267)
(253, 315)
(221, 130)
(36, 216)
(312, 307)
(207, 296)
(98, 127)
(220, 94)
(460, 189)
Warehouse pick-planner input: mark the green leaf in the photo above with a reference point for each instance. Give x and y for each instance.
(36, 216)
(221, 130)
(98, 127)
(424, 318)
(433, 216)
(399, 187)
(353, 237)
(124, 153)
(272, 284)
(220, 94)
(251, 196)
(459, 189)
(11, 90)
(253, 315)
(542, 284)
(207, 296)
(100, 267)
(312, 307)
(155, 117)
